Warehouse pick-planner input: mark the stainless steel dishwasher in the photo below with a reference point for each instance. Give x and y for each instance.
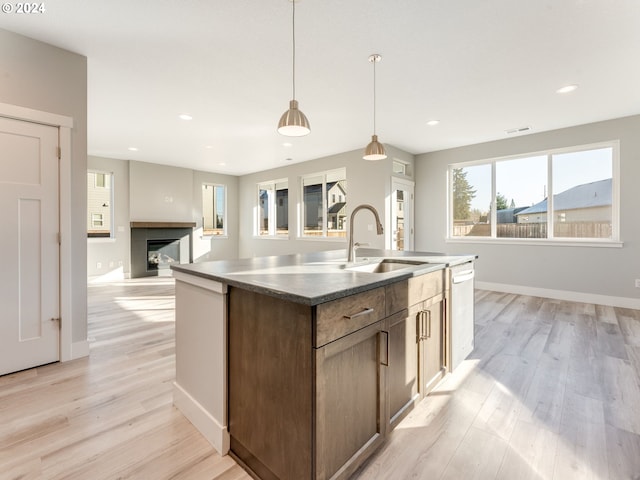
(462, 312)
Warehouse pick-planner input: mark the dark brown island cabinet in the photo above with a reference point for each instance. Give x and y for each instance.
(314, 390)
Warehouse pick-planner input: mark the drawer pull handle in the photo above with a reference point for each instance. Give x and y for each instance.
(366, 311)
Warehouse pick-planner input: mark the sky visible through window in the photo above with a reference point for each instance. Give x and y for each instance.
(524, 180)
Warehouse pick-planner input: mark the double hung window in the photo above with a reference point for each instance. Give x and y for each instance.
(324, 204)
(214, 209)
(99, 204)
(273, 209)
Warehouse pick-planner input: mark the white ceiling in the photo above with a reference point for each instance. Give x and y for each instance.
(479, 66)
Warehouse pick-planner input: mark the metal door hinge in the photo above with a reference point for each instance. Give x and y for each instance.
(59, 320)
(59, 238)
(59, 152)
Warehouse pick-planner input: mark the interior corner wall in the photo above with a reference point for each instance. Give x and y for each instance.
(45, 78)
(367, 182)
(603, 273)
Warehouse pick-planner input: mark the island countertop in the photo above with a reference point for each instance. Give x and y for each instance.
(319, 277)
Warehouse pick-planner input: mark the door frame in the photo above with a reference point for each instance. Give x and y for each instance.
(64, 125)
(408, 185)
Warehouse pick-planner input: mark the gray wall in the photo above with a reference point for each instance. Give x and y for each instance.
(111, 255)
(367, 182)
(42, 77)
(588, 270)
(159, 193)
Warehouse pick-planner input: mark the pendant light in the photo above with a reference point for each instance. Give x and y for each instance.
(375, 150)
(293, 122)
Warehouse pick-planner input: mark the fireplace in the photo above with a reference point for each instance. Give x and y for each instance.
(162, 253)
(155, 246)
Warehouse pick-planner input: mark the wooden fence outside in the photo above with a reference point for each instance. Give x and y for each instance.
(536, 230)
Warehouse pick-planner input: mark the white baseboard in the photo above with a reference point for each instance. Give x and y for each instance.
(216, 434)
(624, 302)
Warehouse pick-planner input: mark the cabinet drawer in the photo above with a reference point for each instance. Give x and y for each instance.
(340, 317)
(406, 293)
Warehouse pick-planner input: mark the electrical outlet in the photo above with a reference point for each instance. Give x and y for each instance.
(98, 265)
(637, 282)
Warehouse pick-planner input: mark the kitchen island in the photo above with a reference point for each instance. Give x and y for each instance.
(300, 365)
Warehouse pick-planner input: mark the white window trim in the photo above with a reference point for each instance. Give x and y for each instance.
(224, 228)
(324, 237)
(272, 235)
(614, 241)
(112, 181)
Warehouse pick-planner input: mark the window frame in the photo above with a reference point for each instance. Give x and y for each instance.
(111, 186)
(272, 218)
(614, 241)
(224, 214)
(301, 213)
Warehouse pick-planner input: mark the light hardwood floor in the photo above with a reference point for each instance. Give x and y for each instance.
(552, 391)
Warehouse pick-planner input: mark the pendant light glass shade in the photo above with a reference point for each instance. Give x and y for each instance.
(375, 150)
(294, 123)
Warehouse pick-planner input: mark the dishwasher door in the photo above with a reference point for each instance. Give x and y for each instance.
(462, 313)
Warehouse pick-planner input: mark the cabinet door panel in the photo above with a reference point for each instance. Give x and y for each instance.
(402, 374)
(349, 401)
(433, 361)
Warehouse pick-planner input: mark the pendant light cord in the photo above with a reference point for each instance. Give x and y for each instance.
(374, 95)
(293, 29)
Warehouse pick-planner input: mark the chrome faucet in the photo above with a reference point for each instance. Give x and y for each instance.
(351, 251)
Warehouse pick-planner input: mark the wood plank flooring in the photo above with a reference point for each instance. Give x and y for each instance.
(109, 416)
(552, 391)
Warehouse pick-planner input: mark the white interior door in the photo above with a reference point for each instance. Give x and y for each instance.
(29, 215)
(401, 214)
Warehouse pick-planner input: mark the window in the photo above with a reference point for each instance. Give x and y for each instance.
(99, 204)
(322, 215)
(273, 208)
(97, 220)
(559, 194)
(214, 209)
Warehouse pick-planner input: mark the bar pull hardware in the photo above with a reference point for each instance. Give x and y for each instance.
(423, 327)
(366, 311)
(428, 312)
(385, 362)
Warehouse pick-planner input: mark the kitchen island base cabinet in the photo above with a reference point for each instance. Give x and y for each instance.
(350, 403)
(298, 410)
(270, 385)
(416, 338)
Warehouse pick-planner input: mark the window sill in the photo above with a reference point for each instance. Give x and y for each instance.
(208, 237)
(271, 237)
(101, 239)
(570, 242)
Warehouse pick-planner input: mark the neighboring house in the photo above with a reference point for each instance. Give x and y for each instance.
(98, 204)
(589, 202)
(509, 215)
(336, 206)
(282, 210)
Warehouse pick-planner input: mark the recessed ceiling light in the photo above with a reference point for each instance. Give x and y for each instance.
(133, 149)
(208, 146)
(222, 164)
(184, 116)
(287, 144)
(431, 123)
(567, 89)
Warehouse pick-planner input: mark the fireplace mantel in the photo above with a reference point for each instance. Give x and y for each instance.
(163, 224)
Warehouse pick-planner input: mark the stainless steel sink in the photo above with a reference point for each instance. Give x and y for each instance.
(384, 266)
